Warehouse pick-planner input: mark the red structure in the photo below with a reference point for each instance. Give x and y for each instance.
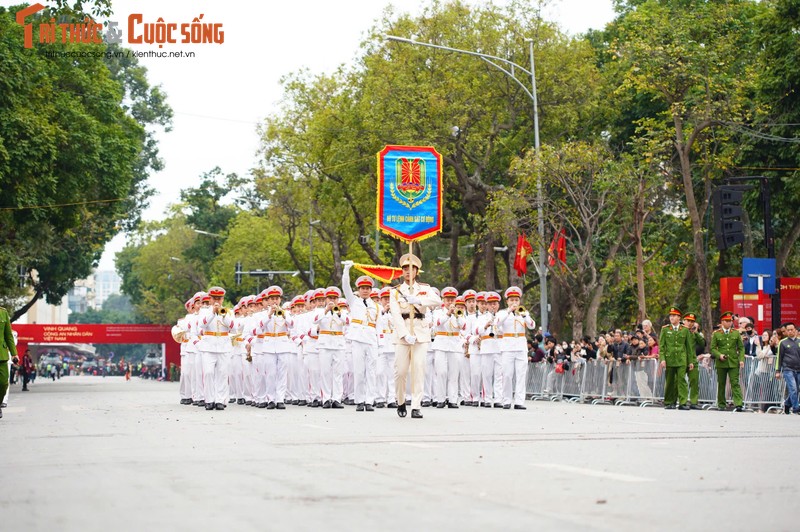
(759, 306)
(90, 333)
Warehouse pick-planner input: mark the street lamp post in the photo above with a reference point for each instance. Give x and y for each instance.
(509, 68)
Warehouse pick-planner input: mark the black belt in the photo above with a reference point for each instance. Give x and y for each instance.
(417, 315)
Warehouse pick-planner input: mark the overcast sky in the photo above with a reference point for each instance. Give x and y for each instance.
(221, 94)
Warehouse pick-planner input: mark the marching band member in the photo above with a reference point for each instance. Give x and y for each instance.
(362, 332)
(490, 374)
(465, 375)
(236, 379)
(386, 355)
(198, 391)
(248, 369)
(430, 369)
(447, 349)
(329, 322)
(216, 324)
(180, 334)
(511, 325)
(311, 347)
(348, 389)
(475, 356)
(275, 324)
(258, 351)
(408, 303)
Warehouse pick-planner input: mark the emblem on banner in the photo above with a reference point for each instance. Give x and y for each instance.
(410, 182)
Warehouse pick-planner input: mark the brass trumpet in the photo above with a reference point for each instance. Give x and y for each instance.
(459, 312)
(520, 310)
(336, 309)
(279, 312)
(222, 311)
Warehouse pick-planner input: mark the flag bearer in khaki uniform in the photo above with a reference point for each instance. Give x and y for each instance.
(676, 353)
(412, 333)
(727, 350)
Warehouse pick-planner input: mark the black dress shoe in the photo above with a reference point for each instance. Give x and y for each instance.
(231, 400)
(434, 404)
(475, 404)
(506, 407)
(220, 406)
(326, 404)
(1, 413)
(498, 405)
(694, 407)
(392, 405)
(416, 414)
(683, 407)
(249, 403)
(440, 405)
(360, 407)
(240, 401)
(296, 403)
(401, 410)
(408, 402)
(210, 406)
(669, 407)
(463, 403)
(369, 408)
(520, 407)
(380, 404)
(200, 403)
(303, 403)
(337, 404)
(349, 402)
(738, 409)
(487, 405)
(270, 406)
(280, 406)
(261, 405)
(452, 405)
(426, 404)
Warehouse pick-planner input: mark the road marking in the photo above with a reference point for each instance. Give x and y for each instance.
(594, 473)
(414, 444)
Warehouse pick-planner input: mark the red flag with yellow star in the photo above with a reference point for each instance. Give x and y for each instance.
(524, 249)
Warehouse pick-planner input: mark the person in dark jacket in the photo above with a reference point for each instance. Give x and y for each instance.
(787, 367)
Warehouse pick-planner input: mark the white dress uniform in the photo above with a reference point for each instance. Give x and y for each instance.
(278, 352)
(258, 352)
(409, 320)
(386, 357)
(448, 352)
(362, 332)
(311, 356)
(514, 349)
(236, 379)
(330, 345)
(214, 347)
(488, 350)
(187, 358)
(473, 348)
(248, 368)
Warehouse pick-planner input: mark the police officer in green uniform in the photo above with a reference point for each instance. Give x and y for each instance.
(699, 345)
(676, 354)
(727, 350)
(7, 351)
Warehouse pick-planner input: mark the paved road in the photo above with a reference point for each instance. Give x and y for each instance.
(87, 453)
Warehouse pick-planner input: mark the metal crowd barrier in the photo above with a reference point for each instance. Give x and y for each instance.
(641, 383)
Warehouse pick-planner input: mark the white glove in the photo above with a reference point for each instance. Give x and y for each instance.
(413, 300)
(347, 264)
(410, 340)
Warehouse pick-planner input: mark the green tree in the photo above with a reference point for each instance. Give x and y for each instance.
(74, 154)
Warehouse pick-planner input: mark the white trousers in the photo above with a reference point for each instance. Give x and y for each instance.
(215, 374)
(412, 356)
(312, 368)
(464, 384)
(364, 360)
(430, 372)
(476, 383)
(197, 387)
(330, 369)
(348, 386)
(236, 379)
(187, 375)
(260, 378)
(447, 367)
(515, 373)
(385, 377)
(249, 371)
(497, 360)
(487, 376)
(277, 371)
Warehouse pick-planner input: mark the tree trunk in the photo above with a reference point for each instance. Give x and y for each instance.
(488, 263)
(24, 308)
(787, 244)
(455, 265)
(701, 267)
(336, 275)
(747, 245)
(597, 295)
